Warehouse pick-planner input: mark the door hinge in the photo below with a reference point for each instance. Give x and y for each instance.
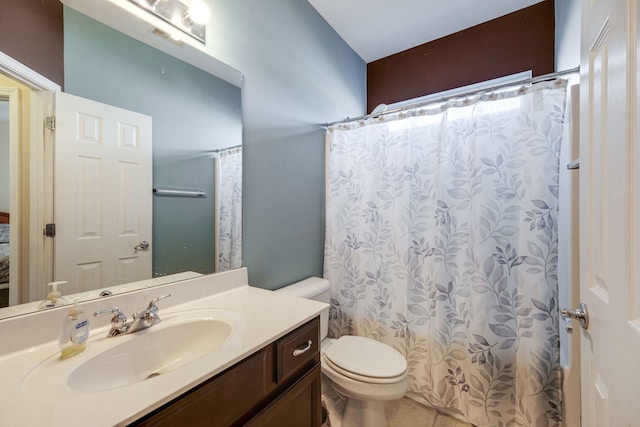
(50, 230)
(50, 123)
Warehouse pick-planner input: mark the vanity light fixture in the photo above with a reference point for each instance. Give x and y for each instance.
(198, 12)
(174, 37)
(190, 17)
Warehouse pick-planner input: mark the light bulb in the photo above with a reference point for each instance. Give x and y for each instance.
(199, 12)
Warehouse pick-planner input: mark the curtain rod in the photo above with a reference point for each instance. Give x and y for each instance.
(460, 95)
(179, 193)
(220, 150)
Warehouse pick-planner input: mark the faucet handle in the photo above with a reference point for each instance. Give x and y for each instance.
(150, 315)
(118, 315)
(118, 321)
(152, 304)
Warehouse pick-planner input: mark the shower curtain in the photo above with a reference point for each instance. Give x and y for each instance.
(229, 209)
(441, 241)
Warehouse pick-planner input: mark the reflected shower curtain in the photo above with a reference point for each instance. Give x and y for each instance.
(229, 210)
(441, 241)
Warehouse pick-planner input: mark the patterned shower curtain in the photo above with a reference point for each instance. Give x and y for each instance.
(442, 241)
(229, 210)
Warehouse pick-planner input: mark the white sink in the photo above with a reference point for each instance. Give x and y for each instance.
(179, 339)
(151, 353)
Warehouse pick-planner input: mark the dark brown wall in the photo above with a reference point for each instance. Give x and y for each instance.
(521, 41)
(31, 32)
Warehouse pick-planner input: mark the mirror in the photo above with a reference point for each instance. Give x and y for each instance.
(196, 147)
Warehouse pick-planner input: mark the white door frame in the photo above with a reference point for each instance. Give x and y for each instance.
(39, 250)
(25, 75)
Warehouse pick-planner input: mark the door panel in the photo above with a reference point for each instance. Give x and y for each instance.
(609, 213)
(103, 190)
(598, 85)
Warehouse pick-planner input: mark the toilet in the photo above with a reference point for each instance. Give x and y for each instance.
(364, 371)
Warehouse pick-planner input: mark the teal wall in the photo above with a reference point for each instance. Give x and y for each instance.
(298, 73)
(193, 112)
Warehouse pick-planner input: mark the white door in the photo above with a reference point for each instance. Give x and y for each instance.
(103, 194)
(610, 213)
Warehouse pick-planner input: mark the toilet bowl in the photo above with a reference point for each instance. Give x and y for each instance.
(367, 373)
(364, 371)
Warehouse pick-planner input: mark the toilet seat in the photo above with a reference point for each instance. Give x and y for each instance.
(366, 360)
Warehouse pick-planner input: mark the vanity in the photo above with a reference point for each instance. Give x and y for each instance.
(269, 388)
(223, 354)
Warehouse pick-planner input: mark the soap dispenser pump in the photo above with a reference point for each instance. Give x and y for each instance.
(74, 334)
(54, 298)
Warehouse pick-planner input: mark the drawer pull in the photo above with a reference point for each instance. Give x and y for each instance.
(298, 352)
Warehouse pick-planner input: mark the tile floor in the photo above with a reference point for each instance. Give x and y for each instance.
(406, 412)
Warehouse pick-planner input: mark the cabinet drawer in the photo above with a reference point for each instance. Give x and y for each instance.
(298, 351)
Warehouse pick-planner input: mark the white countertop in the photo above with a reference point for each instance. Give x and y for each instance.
(265, 316)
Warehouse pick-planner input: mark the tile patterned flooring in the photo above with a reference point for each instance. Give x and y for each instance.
(406, 412)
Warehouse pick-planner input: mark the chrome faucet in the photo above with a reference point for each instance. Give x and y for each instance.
(148, 317)
(142, 320)
(119, 324)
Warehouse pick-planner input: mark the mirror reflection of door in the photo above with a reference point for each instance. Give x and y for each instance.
(10, 182)
(4, 203)
(102, 189)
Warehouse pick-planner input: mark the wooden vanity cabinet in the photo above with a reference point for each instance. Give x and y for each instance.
(272, 387)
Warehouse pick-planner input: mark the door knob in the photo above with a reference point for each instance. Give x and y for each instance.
(580, 314)
(143, 246)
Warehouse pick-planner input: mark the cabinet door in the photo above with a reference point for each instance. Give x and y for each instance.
(221, 402)
(299, 405)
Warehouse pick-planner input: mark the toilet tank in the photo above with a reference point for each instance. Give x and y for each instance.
(314, 288)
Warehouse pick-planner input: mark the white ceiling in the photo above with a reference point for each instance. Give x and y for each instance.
(379, 28)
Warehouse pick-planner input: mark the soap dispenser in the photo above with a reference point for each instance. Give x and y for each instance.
(74, 334)
(54, 298)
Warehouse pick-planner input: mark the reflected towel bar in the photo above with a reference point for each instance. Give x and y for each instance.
(574, 165)
(179, 193)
